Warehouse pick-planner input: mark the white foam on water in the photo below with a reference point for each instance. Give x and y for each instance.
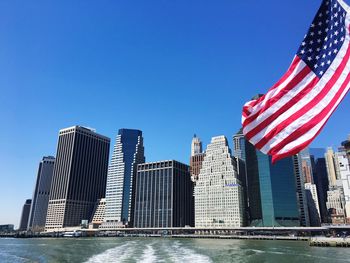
(181, 254)
(116, 254)
(148, 255)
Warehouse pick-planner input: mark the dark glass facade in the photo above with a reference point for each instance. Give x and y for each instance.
(25, 215)
(41, 194)
(272, 190)
(163, 195)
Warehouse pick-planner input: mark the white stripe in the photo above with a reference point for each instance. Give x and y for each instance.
(314, 111)
(307, 136)
(344, 5)
(280, 103)
(271, 94)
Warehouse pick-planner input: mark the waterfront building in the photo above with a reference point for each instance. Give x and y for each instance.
(41, 194)
(331, 167)
(25, 215)
(128, 153)
(99, 213)
(313, 205)
(79, 176)
(276, 191)
(197, 157)
(336, 205)
(163, 195)
(218, 191)
(7, 228)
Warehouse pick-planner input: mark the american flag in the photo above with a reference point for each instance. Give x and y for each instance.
(293, 112)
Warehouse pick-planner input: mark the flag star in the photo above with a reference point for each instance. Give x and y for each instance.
(327, 29)
(317, 57)
(318, 49)
(320, 23)
(320, 15)
(325, 47)
(342, 39)
(336, 41)
(311, 42)
(316, 66)
(303, 44)
(318, 40)
(319, 32)
(336, 33)
(327, 3)
(310, 50)
(327, 21)
(322, 64)
(336, 24)
(330, 45)
(312, 25)
(336, 15)
(312, 34)
(309, 58)
(326, 38)
(327, 12)
(335, 51)
(324, 55)
(302, 51)
(328, 62)
(321, 72)
(335, 5)
(329, 53)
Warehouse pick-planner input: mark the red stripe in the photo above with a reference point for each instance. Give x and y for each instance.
(281, 110)
(314, 121)
(280, 127)
(291, 85)
(289, 72)
(303, 145)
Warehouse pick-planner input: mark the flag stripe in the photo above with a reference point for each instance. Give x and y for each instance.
(305, 88)
(294, 69)
(314, 105)
(297, 146)
(282, 91)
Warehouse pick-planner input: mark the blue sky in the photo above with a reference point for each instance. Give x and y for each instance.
(169, 68)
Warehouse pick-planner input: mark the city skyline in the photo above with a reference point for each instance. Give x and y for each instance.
(122, 65)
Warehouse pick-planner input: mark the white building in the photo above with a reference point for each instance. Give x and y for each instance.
(99, 211)
(218, 192)
(343, 170)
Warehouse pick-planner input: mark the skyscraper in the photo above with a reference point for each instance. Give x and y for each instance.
(331, 167)
(196, 159)
(79, 176)
(41, 195)
(346, 145)
(276, 192)
(128, 153)
(163, 195)
(319, 170)
(25, 215)
(218, 192)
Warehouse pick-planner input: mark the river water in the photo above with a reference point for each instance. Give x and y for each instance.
(106, 250)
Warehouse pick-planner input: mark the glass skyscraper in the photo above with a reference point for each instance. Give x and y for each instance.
(128, 153)
(275, 192)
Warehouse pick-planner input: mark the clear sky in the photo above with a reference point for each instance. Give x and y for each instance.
(169, 68)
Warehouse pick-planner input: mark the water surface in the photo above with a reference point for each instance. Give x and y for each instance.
(164, 250)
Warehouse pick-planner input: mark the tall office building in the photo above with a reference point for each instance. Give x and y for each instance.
(346, 145)
(41, 195)
(128, 153)
(343, 168)
(218, 192)
(336, 205)
(313, 204)
(25, 215)
(163, 195)
(331, 167)
(276, 192)
(196, 146)
(79, 176)
(197, 157)
(319, 170)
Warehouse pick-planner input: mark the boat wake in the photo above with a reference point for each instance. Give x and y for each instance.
(181, 254)
(116, 254)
